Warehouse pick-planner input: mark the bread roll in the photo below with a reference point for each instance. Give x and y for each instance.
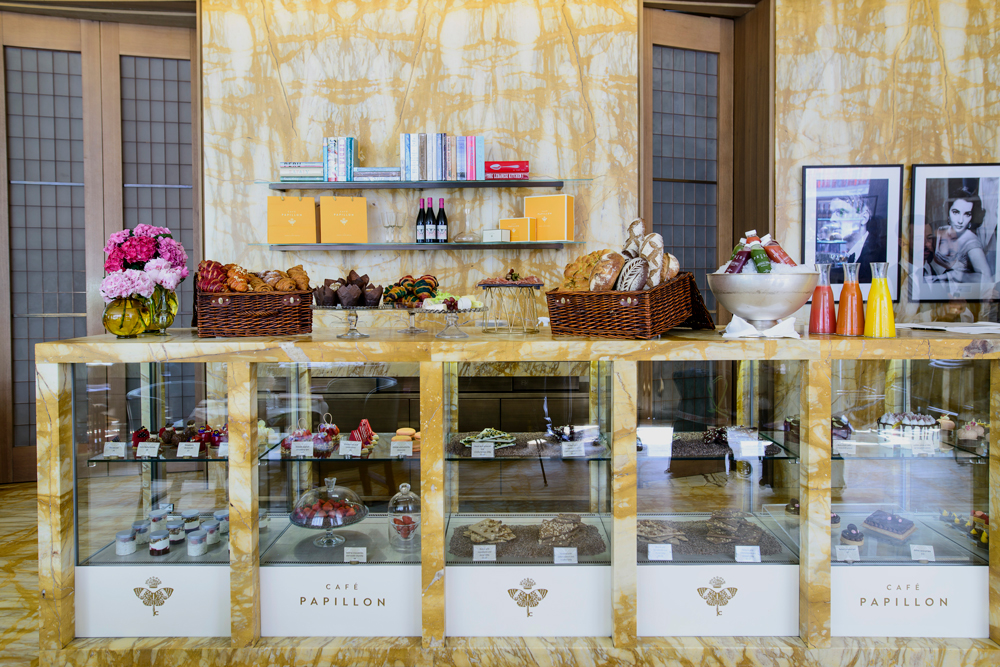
(633, 276)
(671, 267)
(606, 271)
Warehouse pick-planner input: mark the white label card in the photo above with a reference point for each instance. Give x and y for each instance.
(572, 449)
(401, 448)
(484, 552)
(482, 450)
(350, 448)
(355, 554)
(848, 552)
(147, 450)
(748, 554)
(564, 555)
(750, 448)
(302, 448)
(114, 449)
(187, 449)
(657, 440)
(923, 447)
(660, 552)
(846, 447)
(223, 450)
(922, 552)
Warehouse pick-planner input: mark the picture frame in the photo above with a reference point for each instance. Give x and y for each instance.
(853, 213)
(954, 215)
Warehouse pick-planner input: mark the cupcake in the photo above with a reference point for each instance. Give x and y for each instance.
(792, 507)
(834, 520)
(852, 536)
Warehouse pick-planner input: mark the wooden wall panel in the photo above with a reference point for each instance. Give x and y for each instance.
(154, 41)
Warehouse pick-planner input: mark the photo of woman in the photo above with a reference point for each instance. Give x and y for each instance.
(959, 255)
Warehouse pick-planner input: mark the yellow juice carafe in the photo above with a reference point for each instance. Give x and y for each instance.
(879, 319)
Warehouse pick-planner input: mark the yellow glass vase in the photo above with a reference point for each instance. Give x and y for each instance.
(162, 309)
(126, 318)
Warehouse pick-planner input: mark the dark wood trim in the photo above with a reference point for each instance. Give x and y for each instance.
(93, 167)
(24, 464)
(197, 196)
(164, 13)
(731, 9)
(41, 32)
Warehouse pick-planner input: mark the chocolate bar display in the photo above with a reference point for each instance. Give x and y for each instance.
(890, 525)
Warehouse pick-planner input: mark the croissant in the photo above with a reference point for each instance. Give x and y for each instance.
(237, 284)
(272, 279)
(237, 271)
(285, 285)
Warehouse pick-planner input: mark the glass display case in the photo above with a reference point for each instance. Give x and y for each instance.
(338, 442)
(528, 498)
(910, 497)
(718, 484)
(151, 470)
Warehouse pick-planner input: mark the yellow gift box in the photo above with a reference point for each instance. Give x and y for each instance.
(291, 220)
(521, 229)
(553, 215)
(343, 220)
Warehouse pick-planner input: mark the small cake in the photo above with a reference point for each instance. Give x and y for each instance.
(323, 444)
(890, 525)
(834, 520)
(852, 536)
(947, 425)
(792, 507)
(909, 425)
(971, 432)
(981, 519)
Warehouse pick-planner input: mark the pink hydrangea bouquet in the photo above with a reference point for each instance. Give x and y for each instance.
(163, 273)
(126, 284)
(134, 248)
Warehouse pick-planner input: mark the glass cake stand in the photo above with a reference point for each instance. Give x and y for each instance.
(451, 329)
(352, 318)
(328, 509)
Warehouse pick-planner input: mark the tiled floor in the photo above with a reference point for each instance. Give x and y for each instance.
(18, 575)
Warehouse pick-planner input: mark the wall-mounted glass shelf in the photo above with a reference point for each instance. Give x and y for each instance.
(512, 245)
(419, 185)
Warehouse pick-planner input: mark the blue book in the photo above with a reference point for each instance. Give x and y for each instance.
(326, 162)
(480, 158)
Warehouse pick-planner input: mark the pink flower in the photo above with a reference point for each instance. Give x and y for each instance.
(139, 249)
(124, 284)
(162, 273)
(172, 251)
(141, 283)
(116, 240)
(184, 273)
(150, 231)
(170, 279)
(115, 259)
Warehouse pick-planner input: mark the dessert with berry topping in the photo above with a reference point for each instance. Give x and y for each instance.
(852, 536)
(890, 525)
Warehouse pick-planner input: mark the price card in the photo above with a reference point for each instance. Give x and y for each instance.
(302, 449)
(749, 448)
(482, 450)
(114, 450)
(572, 449)
(187, 450)
(922, 552)
(223, 450)
(923, 447)
(845, 447)
(848, 552)
(401, 448)
(349, 448)
(747, 554)
(660, 552)
(147, 450)
(564, 555)
(484, 552)
(355, 554)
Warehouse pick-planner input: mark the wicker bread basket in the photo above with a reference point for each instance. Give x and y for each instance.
(233, 314)
(629, 315)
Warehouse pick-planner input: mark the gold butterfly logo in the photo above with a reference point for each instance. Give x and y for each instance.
(343, 221)
(719, 597)
(527, 598)
(152, 597)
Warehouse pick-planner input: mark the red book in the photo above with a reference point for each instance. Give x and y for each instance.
(507, 167)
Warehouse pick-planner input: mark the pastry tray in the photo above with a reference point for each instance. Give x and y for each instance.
(456, 522)
(787, 556)
(293, 545)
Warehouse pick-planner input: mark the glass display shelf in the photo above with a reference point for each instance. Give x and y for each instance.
(870, 445)
(951, 546)
(688, 446)
(169, 457)
(776, 545)
(478, 245)
(293, 545)
(531, 446)
(379, 453)
(417, 185)
(593, 546)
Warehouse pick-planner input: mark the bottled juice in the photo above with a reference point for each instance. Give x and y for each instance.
(851, 316)
(822, 319)
(777, 254)
(879, 319)
(757, 254)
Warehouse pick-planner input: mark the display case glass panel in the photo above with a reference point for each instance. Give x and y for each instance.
(910, 486)
(151, 471)
(528, 498)
(339, 498)
(718, 486)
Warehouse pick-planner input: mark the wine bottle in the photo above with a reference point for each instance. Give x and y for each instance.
(442, 223)
(421, 226)
(431, 234)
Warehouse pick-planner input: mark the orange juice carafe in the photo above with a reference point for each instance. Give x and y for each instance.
(879, 319)
(851, 316)
(822, 319)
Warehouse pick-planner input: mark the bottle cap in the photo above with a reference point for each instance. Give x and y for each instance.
(140, 526)
(158, 535)
(158, 515)
(197, 537)
(221, 515)
(210, 526)
(124, 536)
(190, 514)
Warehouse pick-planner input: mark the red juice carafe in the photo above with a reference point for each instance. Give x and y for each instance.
(851, 316)
(822, 318)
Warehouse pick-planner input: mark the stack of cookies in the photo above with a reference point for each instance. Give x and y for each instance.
(560, 531)
(489, 531)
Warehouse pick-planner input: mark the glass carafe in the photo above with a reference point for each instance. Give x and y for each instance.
(822, 318)
(851, 316)
(404, 519)
(879, 319)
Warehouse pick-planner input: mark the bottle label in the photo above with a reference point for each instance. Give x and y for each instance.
(420, 233)
(442, 234)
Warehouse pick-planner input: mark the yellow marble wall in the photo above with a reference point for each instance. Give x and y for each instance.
(882, 82)
(549, 81)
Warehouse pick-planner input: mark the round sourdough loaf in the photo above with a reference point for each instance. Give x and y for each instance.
(671, 267)
(606, 272)
(633, 276)
(651, 250)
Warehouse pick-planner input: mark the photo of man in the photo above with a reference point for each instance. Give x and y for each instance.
(851, 226)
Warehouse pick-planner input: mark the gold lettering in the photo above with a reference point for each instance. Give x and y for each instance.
(905, 604)
(326, 601)
(381, 602)
(885, 602)
(943, 602)
(863, 602)
(313, 603)
(874, 603)
(302, 601)
(355, 602)
(929, 602)
(368, 602)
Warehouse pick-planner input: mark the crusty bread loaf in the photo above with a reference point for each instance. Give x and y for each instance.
(633, 241)
(576, 275)
(652, 251)
(606, 272)
(633, 276)
(671, 267)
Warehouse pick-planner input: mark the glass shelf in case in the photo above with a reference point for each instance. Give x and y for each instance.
(292, 545)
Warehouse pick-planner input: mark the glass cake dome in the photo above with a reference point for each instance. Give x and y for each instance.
(404, 519)
(327, 509)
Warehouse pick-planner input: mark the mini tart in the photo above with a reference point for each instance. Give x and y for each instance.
(852, 536)
(409, 432)
(792, 507)
(834, 519)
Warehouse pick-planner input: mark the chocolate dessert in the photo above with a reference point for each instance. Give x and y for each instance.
(834, 519)
(792, 507)
(851, 535)
(890, 525)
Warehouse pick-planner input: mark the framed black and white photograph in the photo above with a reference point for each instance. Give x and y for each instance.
(955, 208)
(853, 214)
